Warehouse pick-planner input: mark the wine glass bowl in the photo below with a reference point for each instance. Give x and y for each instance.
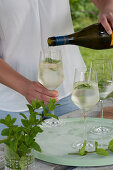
(82, 95)
(50, 73)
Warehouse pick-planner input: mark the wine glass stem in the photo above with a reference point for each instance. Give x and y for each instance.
(85, 127)
(101, 111)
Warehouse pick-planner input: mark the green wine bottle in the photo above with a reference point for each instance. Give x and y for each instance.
(93, 36)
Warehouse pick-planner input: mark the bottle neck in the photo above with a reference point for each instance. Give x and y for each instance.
(62, 40)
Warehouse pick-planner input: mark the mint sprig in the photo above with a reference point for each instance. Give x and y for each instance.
(21, 139)
(82, 150)
(85, 85)
(98, 151)
(110, 146)
(101, 151)
(102, 84)
(50, 60)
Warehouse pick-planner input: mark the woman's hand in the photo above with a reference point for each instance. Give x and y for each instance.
(31, 90)
(35, 90)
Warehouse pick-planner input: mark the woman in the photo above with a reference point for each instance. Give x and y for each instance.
(25, 26)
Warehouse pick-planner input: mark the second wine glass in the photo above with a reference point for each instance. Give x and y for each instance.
(85, 95)
(51, 75)
(103, 69)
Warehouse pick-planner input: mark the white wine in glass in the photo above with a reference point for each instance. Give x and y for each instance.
(103, 69)
(85, 95)
(51, 74)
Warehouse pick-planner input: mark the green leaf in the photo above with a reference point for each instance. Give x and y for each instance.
(28, 140)
(101, 151)
(11, 154)
(33, 104)
(5, 132)
(13, 120)
(57, 104)
(38, 105)
(2, 121)
(42, 103)
(96, 145)
(30, 108)
(32, 119)
(35, 131)
(36, 146)
(43, 106)
(23, 149)
(24, 122)
(7, 142)
(23, 115)
(13, 145)
(82, 150)
(51, 106)
(52, 101)
(51, 115)
(8, 118)
(36, 113)
(6, 121)
(110, 145)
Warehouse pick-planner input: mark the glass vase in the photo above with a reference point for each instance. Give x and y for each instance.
(14, 162)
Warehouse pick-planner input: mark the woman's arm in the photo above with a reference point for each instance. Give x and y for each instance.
(31, 90)
(106, 13)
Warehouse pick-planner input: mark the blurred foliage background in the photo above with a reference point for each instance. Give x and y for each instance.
(85, 13)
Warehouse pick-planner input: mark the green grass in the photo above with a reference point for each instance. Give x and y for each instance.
(90, 54)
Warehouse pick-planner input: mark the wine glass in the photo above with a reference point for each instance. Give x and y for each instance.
(51, 75)
(85, 95)
(103, 69)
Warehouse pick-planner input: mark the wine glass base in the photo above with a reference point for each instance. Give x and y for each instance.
(53, 123)
(90, 146)
(101, 130)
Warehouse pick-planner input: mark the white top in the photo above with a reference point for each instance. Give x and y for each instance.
(25, 26)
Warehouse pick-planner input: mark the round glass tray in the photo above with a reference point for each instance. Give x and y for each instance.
(56, 143)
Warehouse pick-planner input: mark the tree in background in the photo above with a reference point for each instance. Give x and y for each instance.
(83, 13)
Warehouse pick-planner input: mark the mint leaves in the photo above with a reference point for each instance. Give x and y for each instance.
(101, 151)
(98, 151)
(102, 84)
(110, 146)
(82, 150)
(53, 61)
(22, 139)
(83, 85)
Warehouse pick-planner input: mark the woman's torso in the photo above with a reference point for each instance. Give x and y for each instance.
(25, 26)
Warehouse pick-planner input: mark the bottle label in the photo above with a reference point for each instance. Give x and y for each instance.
(111, 40)
(62, 40)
